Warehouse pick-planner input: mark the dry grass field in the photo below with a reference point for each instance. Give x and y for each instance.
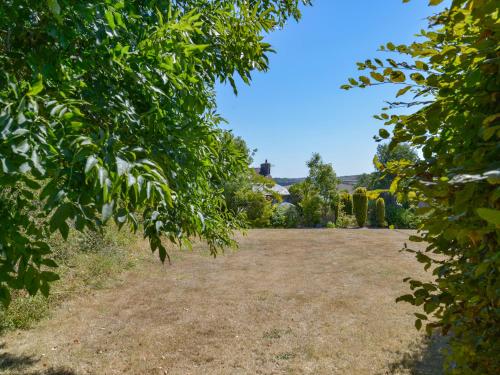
(288, 302)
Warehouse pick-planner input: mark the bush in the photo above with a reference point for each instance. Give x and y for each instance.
(401, 217)
(360, 205)
(286, 215)
(346, 200)
(256, 207)
(311, 210)
(88, 260)
(380, 209)
(337, 210)
(330, 225)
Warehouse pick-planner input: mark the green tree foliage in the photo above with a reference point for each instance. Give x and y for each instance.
(360, 205)
(107, 110)
(346, 200)
(255, 207)
(311, 208)
(380, 203)
(245, 192)
(285, 215)
(385, 154)
(317, 195)
(323, 179)
(452, 75)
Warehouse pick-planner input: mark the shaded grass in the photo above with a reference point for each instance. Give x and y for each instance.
(87, 261)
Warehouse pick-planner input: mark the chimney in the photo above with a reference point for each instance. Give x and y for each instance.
(265, 169)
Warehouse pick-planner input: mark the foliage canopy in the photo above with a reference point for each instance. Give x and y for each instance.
(452, 75)
(107, 111)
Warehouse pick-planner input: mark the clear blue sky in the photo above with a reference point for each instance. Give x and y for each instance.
(297, 107)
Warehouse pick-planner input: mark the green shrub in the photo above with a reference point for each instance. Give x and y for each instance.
(286, 215)
(330, 225)
(346, 200)
(311, 209)
(401, 217)
(336, 211)
(256, 207)
(88, 260)
(380, 209)
(360, 205)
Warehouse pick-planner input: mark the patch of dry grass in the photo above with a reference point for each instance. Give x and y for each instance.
(288, 302)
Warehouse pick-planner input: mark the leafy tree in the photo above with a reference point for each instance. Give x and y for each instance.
(107, 111)
(452, 74)
(385, 154)
(324, 181)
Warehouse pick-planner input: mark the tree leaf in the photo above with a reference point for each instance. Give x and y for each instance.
(91, 162)
(107, 210)
(377, 76)
(383, 133)
(403, 91)
(36, 88)
(54, 7)
(490, 215)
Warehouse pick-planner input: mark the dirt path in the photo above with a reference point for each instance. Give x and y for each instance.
(288, 302)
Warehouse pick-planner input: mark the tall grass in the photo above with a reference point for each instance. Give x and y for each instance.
(87, 261)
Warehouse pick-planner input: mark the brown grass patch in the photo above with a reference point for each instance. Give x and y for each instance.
(288, 302)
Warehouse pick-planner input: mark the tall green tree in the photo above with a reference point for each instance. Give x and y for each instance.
(323, 179)
(449, 79)
(107, 111)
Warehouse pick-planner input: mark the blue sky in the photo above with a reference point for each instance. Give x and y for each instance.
(297, 107)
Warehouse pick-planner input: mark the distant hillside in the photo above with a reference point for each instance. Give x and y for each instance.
(346, 182)
(284, 181)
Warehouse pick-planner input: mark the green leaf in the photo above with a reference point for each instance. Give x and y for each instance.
(60, 215)
(37, 87)
(49, 276)
(394, 185)
(490, 215)
(418, 324)
(377, 76)
(107, 210)
(49, 263)
(365, 80)
(397, 76)
(110, 19)
(54, 7)
(403, 91)
(91, 162)
(383, 133)
(5, 297)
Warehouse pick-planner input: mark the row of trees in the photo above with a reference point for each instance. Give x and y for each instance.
(315, 201)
